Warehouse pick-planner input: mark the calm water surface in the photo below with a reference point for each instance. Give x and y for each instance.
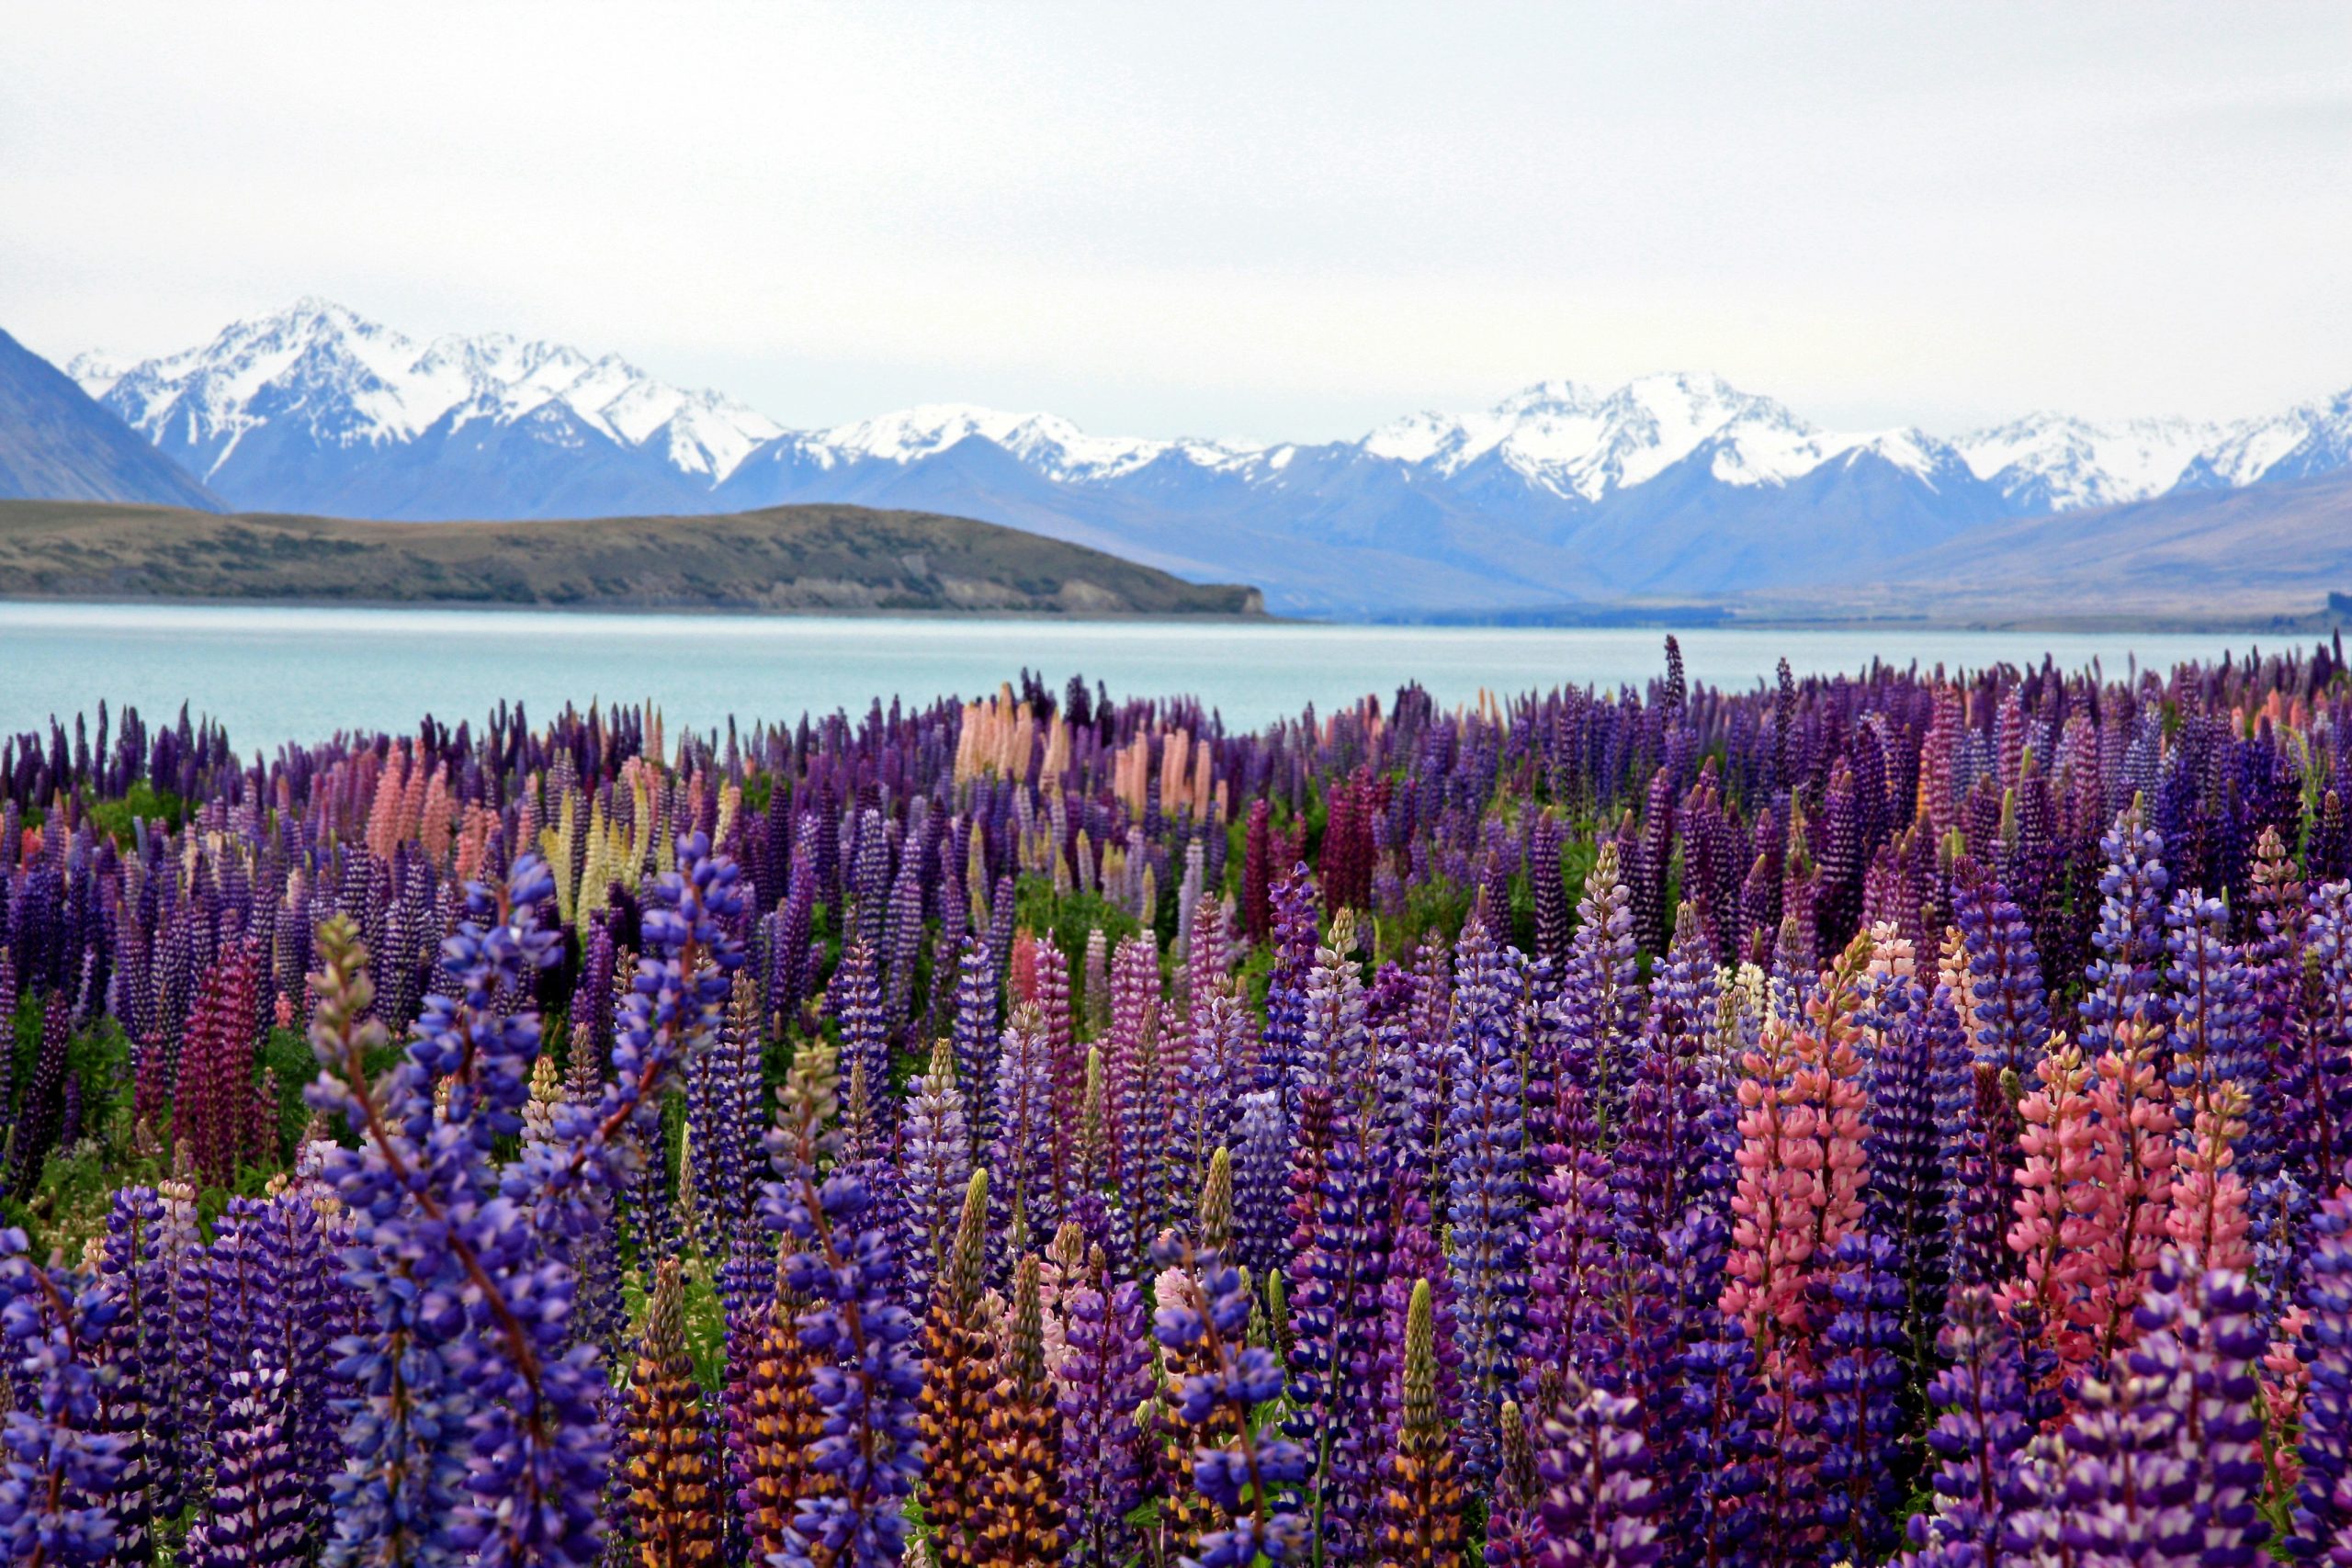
(274, 674)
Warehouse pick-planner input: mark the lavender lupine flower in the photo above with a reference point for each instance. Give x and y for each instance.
(1248, 1478)
(2124, 979)
(935, 1166)
(1487, 1188)
(868, 1377)
(1596, 1494)
(60, 1468)
(855, 997)
(1597, 1017)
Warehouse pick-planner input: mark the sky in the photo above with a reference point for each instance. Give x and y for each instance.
(1289, 221)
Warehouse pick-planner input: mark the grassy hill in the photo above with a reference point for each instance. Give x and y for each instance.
(784, 559)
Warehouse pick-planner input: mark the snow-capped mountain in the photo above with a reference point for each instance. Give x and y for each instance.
(1669, 485)
(286, 410)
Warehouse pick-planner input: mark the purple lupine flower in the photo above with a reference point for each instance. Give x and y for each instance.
(60, 1468)
(1720, 1436)
(1249, 1478)
(1281, 1062)
(2213, 1034)
(1904, 1192)
(1596, 1492)
(725, 1086)
(1137, 1092)
(1862, 1380)
(869, 1375)
(257, 1517)
(1335, 1049)
(308, 1302)
(2012, 1010)
(141, 1400)
(1417, 1258)
(2203, 1329)
(1597, 1016)
(901, 943)
(2323, 1508)
(1020, 1153)
(1106, 1378)
(1983, 1422)
(975, 1038)
(1334, 1285)
(1486, 1197)
(1659, 1156)
(1261, 1177)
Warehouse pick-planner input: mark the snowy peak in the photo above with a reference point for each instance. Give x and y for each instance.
(2048, 462)
(342, 381)
(1573, 440)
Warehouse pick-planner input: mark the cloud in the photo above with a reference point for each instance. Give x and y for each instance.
(1295, 220)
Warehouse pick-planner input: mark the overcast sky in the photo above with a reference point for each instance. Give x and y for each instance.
(1277, 220)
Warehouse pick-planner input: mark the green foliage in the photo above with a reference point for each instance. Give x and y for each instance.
(1435, 908)
(1067, 917)
(287, 1054)
(113, 817)
(704, 1314)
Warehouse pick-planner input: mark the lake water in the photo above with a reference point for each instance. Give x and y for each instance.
(274, 673)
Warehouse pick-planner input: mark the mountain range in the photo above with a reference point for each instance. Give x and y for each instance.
(1672, 487)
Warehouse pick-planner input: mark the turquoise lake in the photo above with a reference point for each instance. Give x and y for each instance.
(274, 674)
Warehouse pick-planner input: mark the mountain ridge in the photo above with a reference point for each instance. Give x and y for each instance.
(55, 441)
(1676, 483)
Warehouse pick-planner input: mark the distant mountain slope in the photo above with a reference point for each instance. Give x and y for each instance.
(1670, 486)
(56, 442)
(2207, 556)
(802, 557)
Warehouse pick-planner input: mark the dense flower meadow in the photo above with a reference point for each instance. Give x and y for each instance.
(1891, 1117)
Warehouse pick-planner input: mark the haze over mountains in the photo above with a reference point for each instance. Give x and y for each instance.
(1673, 486)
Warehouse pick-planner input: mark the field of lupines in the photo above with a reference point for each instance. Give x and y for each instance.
(1890, 1116)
